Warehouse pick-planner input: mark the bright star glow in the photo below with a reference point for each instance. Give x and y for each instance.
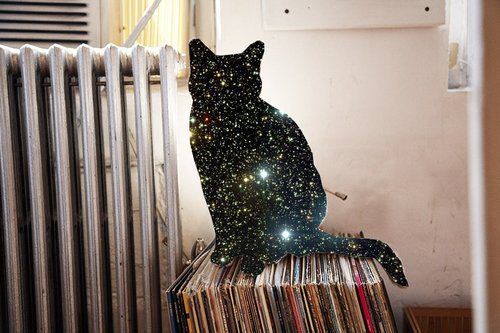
(263, 174)
(285, 234)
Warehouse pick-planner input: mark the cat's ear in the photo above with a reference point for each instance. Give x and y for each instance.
(255, 50)
(199, 51)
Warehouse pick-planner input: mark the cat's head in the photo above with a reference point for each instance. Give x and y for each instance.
(234, 76)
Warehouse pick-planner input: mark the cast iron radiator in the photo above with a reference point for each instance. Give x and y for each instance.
(76, 255)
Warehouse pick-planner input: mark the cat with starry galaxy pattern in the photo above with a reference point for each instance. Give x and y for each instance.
(256, 169)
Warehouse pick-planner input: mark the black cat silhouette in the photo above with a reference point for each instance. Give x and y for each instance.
(256, 169)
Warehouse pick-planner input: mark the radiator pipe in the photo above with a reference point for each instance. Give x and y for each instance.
(125, 60)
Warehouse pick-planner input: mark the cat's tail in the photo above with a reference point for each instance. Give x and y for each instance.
(361, 247)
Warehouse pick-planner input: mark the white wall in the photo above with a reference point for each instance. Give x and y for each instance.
(383, 128)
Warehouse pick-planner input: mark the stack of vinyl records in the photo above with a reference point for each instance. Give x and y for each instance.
(314, 293)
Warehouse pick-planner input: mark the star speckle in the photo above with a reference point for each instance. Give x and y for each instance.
(263, 174)
(285, 234)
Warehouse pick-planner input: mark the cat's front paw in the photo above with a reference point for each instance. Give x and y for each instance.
(251, 265)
